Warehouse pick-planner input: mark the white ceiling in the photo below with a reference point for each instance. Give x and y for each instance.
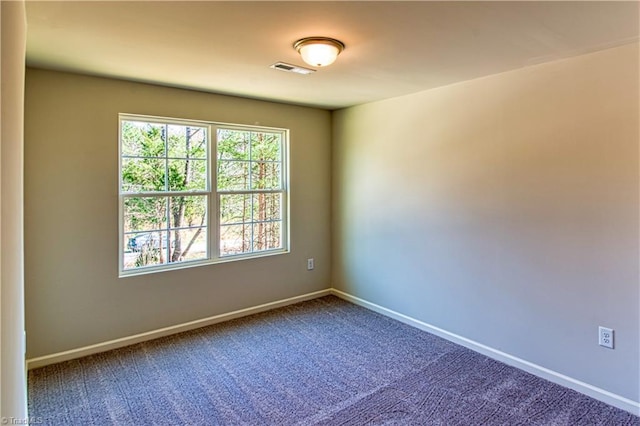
(392, 48)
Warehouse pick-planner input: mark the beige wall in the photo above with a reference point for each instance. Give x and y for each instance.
(504, 210)
(12, 368)
(74, 296)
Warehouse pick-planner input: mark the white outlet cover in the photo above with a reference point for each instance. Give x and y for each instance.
(605, 337)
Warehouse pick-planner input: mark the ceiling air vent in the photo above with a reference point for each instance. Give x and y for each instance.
(282, 66)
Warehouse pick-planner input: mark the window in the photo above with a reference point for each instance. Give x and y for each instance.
(194, 193)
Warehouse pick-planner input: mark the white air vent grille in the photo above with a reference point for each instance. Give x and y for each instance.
(282, 66)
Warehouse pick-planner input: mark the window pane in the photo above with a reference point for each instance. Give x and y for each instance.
(233, 144)
(145, 249)
(142, 175)
(265, 176)
(188, 211)
(188, 244)
(142, 139)
(235, 239)
(267, 236)
(145, 213)
(266, 146)
(187, 141)
(187, 175)
(267, 207)
(233, 175)
(235, 208)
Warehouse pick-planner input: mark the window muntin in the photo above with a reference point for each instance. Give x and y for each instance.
(169, 214)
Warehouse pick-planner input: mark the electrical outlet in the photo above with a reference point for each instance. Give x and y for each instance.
(310, 264)
(605, 337)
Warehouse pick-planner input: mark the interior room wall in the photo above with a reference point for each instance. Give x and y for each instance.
(13, 402)
(504, 210)
(73, 293)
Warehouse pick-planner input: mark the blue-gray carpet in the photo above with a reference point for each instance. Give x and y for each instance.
(322, 362)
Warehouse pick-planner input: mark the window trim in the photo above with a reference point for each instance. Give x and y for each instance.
(213, 206)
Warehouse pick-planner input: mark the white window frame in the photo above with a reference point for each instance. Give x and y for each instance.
(212, 192)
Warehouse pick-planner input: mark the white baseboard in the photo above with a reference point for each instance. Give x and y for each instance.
(154, 334)
(600, 394)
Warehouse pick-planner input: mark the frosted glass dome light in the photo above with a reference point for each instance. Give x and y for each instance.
(319, 51)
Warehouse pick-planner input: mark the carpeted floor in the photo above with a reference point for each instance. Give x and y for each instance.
(322, 362)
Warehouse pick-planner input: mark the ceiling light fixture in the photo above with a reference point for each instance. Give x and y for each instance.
(319, 51)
